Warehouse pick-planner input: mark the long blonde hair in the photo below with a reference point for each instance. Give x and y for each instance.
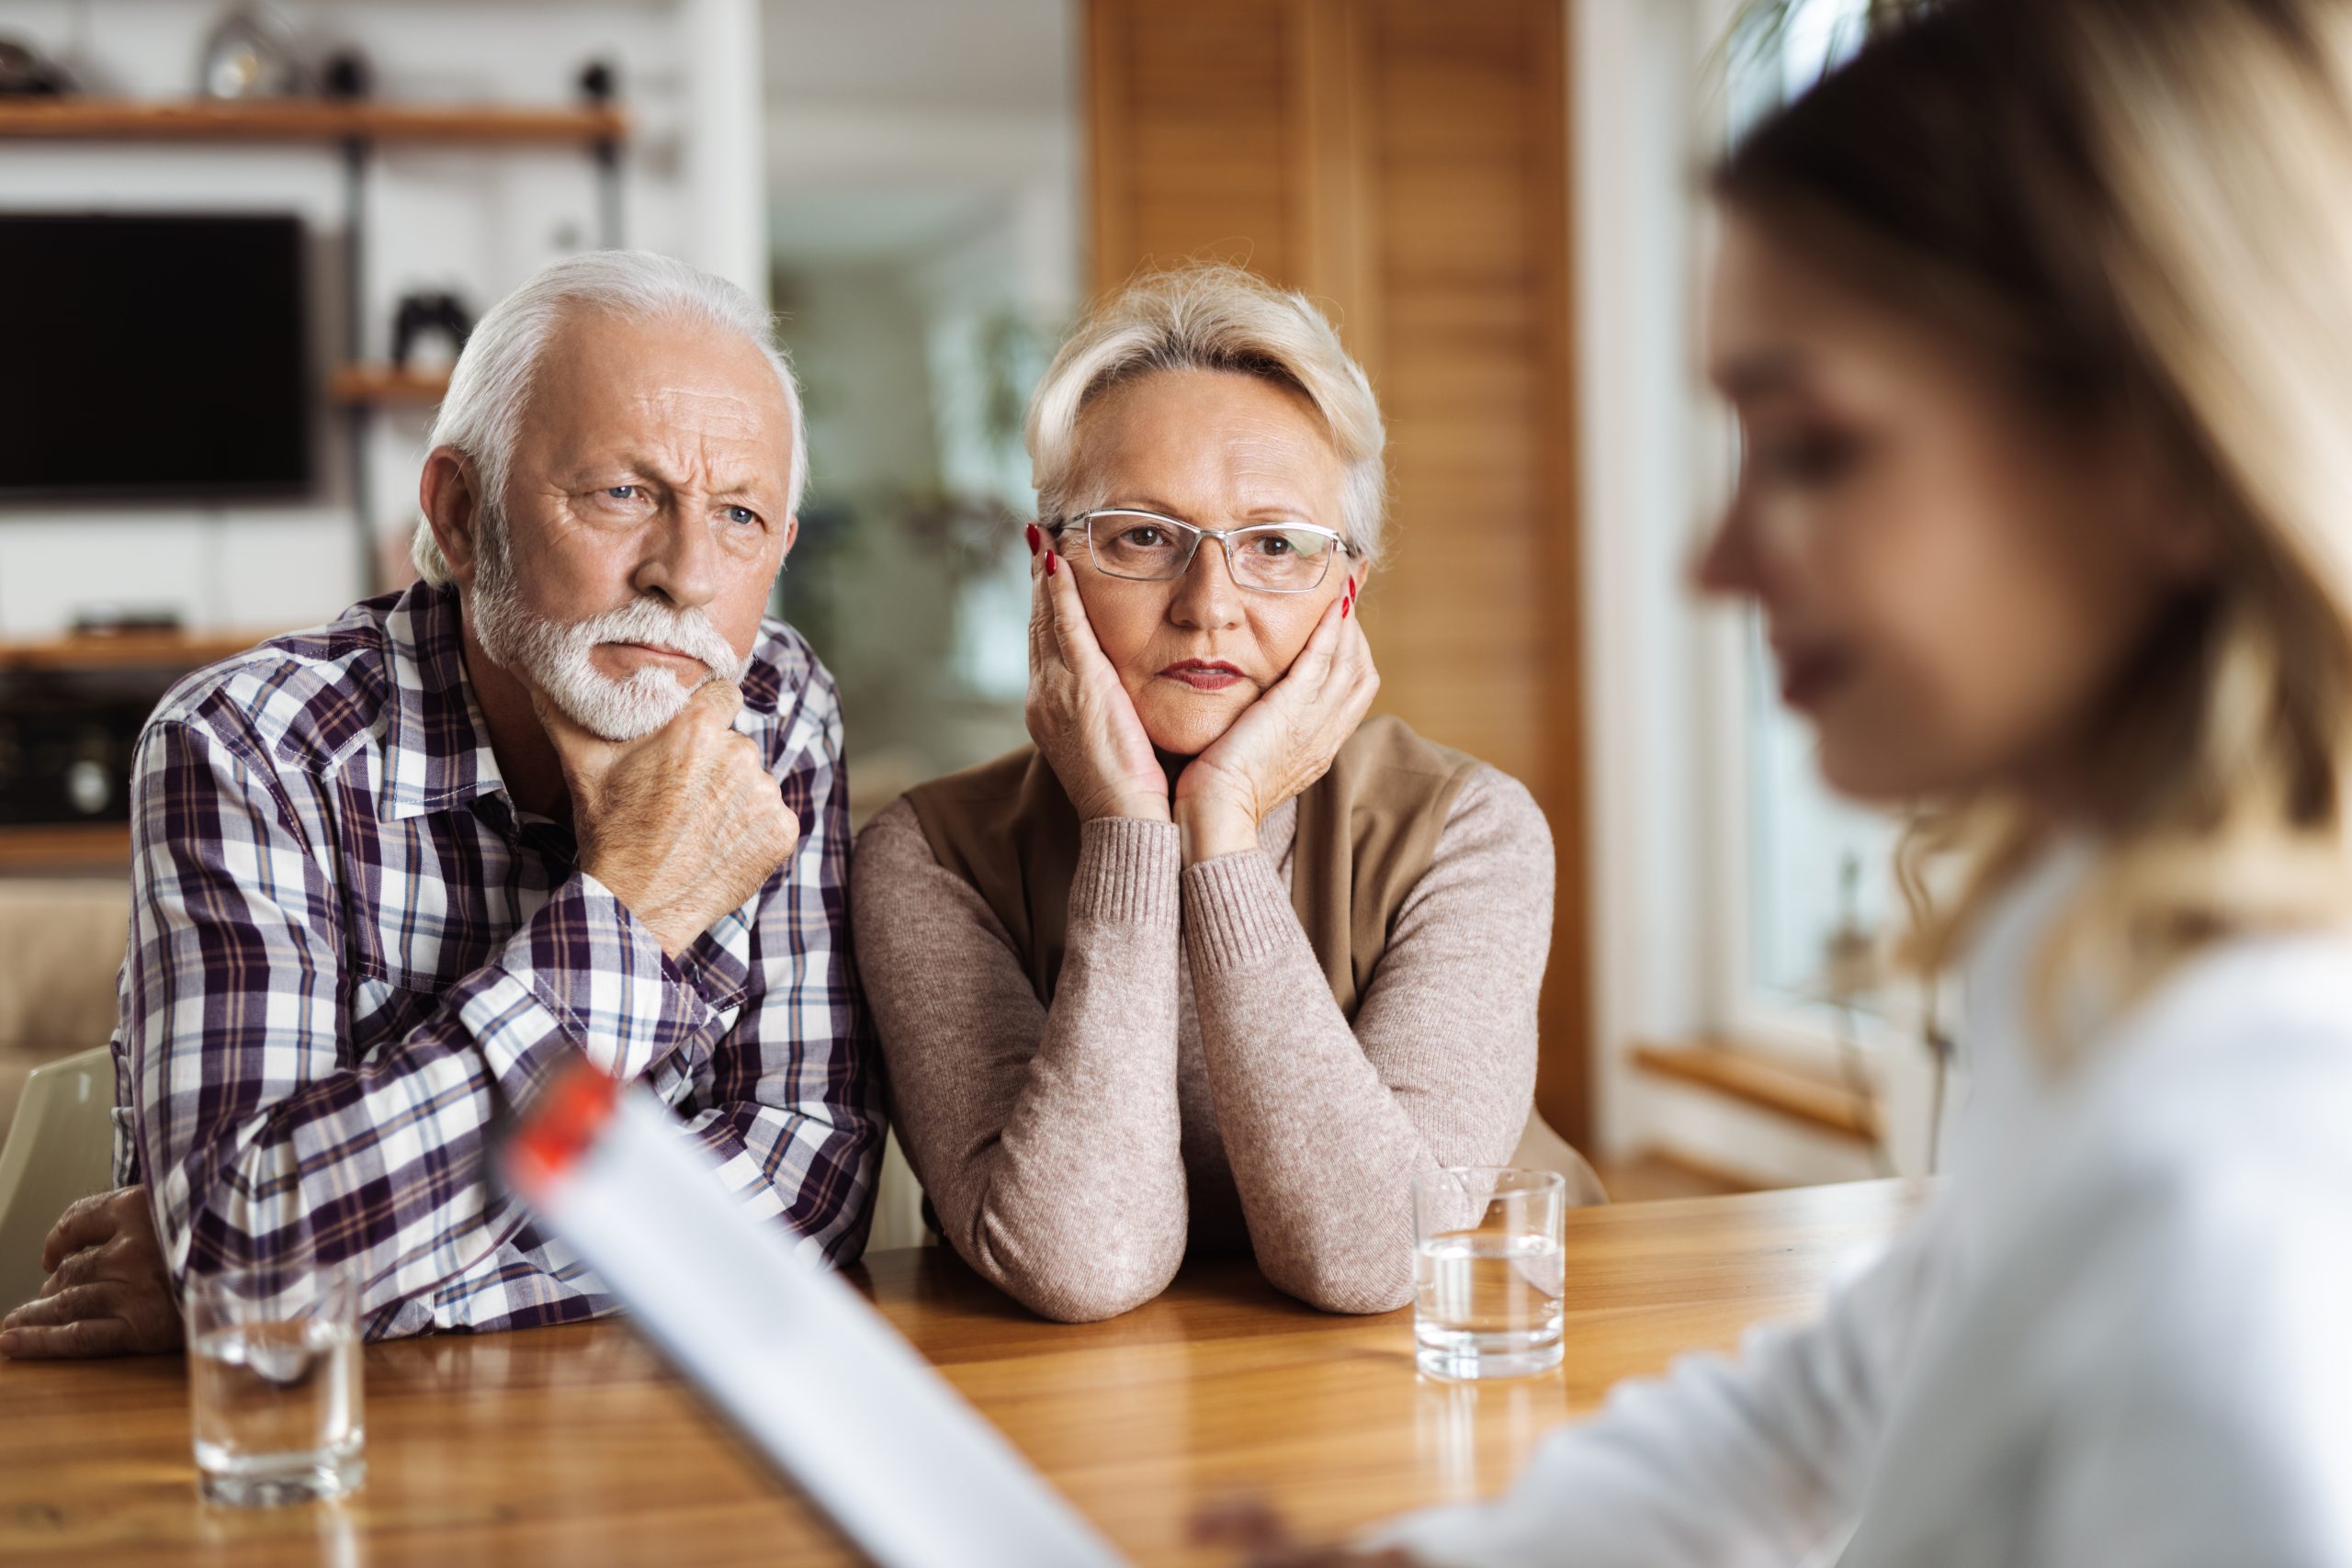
(2141, 206)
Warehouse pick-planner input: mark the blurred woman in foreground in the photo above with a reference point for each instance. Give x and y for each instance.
(2038, 321)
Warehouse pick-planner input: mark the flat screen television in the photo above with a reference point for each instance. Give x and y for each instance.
(153, 355)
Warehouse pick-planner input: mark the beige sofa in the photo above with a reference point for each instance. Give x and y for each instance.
(61, 952)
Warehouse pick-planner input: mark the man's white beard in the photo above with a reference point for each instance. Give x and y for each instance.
(556, 656)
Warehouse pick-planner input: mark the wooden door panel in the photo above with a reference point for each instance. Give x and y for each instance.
(1194, 100)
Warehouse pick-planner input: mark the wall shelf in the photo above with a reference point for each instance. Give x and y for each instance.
(82, 849)
(307, 119)
(355, 130)
(32, 849)
(366, 385)
(124, 650)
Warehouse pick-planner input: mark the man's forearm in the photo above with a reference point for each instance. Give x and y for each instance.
(386, 1161)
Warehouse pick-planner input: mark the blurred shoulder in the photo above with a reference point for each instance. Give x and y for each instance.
(2244, 1059)
(2197, 1148)
(2193, 1221)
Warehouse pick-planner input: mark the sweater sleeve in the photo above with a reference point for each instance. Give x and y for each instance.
(1324, 1124)
(1758, 1462)
(1049, 1140)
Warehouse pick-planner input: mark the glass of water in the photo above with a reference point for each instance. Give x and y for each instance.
(273, 1355)
(1488, 1270)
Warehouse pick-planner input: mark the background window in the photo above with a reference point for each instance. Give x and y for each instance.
(924, 222)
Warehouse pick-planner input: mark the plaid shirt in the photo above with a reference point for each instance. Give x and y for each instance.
(351, 956)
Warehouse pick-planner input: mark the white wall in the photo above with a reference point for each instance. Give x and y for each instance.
(473, 220)
(1635, 138)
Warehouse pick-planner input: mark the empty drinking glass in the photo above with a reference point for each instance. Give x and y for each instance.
(1488, 1270)
(273, 1355)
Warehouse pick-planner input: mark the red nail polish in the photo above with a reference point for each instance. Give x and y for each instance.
(1030, 534)
(1345, 606)
(1050, 558)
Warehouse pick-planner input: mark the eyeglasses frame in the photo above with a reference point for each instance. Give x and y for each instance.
(1223, 537)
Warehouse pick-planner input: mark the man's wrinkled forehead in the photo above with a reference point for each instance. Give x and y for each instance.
(692, 403)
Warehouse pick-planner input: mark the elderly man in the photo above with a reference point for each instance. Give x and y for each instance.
(570, 794)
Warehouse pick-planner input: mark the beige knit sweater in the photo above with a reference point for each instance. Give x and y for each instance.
(1193, 1084)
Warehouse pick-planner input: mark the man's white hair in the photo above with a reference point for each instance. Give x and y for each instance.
(489, 389)
(1208, 317)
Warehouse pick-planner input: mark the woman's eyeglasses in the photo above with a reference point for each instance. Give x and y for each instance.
(1271, 558)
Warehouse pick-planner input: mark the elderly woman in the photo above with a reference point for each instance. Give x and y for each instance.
(1218, 963)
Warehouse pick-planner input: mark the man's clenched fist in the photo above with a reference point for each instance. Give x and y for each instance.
(684, 825)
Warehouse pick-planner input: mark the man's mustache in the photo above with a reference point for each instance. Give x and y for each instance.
(649, 621)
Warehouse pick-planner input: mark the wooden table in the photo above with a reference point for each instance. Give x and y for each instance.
(575, 1446)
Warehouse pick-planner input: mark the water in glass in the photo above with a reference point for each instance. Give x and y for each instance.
(1487, 1303)
(274, 1391)
(1488, 1271)
(277, 1411)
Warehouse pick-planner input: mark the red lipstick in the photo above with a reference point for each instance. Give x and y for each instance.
(1204, 674)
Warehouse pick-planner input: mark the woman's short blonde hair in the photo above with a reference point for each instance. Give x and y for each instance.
(1209, 317)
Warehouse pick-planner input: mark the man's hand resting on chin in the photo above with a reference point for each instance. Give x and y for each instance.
(684, 825)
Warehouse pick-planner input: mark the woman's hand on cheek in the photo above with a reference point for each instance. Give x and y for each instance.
(1080, 717)
(1282, 742)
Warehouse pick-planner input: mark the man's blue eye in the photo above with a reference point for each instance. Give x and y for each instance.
(742, 514)
(622, 492)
